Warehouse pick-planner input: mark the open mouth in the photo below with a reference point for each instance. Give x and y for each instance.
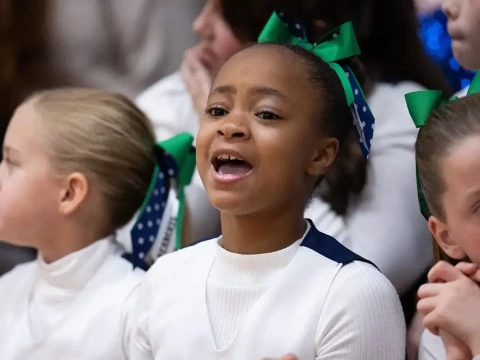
(229, 165)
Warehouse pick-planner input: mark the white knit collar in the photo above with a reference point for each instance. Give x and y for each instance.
(75, 270)
(246, 270)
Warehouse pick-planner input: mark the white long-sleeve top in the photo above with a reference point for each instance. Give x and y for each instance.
(207, 303)
(78, 307)
(383, 224)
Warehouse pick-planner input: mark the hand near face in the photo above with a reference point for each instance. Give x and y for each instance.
(454, 348)
(196, 71)
(451, 302)
(287, 357)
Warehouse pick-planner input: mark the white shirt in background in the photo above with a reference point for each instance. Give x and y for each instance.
(384, 224)
(75, 308)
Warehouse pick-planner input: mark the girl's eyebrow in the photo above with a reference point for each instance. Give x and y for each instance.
(8, 150)
(257, 90)
(224, 89)
(265, 90)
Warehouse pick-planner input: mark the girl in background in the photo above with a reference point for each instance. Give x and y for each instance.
(448, 169)
(463, 20)
(76, 166)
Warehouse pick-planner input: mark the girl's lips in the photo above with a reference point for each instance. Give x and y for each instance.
(230, 176)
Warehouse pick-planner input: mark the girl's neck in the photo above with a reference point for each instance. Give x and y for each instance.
(66, 241)
(261, 233)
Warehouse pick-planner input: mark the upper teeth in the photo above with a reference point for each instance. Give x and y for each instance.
(227, 157)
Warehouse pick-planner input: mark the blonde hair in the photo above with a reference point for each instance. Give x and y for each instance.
(104, 136)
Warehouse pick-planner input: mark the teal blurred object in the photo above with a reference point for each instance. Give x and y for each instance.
(437, 44)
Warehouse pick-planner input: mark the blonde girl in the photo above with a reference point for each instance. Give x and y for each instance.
(76, 166)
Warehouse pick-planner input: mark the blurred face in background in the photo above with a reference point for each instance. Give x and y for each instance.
(217, 41)
(463, 26)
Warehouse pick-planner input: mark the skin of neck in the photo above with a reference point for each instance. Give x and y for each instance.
(264, 232)
(70, 235)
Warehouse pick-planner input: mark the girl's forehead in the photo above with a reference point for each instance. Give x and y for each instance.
(26, 131)
(461, 169)
(270, 63)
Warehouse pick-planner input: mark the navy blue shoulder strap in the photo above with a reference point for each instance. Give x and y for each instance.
(329, 247)
(324, 245)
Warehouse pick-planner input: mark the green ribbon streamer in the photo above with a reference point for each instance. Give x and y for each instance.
(180, 149)
(330, 49)
(420, 105)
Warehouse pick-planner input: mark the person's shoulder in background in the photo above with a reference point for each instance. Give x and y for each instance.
(169, 106)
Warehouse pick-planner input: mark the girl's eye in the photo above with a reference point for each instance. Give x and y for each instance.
(267, 115)
(8, 164)
(217, 111)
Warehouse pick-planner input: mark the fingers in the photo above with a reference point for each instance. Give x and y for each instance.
(454, 348)
(427, 305)
(287, 357)
(432, 321)
(476, 277)
(468, 269)
(208, 58)
(444, 272)
(428, 290)
(199, 58)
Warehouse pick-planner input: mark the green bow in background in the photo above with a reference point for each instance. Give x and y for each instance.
(180, 149)
(420, 105)
(162, 212)
(330, 49)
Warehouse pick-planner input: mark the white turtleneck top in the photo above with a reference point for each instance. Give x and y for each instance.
(75, 308)
(204, 302)
(236, 282)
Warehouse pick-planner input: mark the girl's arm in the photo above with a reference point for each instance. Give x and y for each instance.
(138, 342)
(362, 318)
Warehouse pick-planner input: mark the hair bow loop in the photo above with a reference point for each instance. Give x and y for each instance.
(158, 228)
(420, 105)
(339, 44)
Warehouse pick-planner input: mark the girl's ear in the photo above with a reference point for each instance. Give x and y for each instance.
(323, 157)
(73, 193)
(439, 230)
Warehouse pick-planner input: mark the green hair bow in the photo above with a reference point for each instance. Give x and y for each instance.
(344, 45)
(158, 229)
(420, 105)
(339, 44)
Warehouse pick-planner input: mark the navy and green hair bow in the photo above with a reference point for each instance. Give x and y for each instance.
(158, 228)
(337, 45)
(420, 105)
